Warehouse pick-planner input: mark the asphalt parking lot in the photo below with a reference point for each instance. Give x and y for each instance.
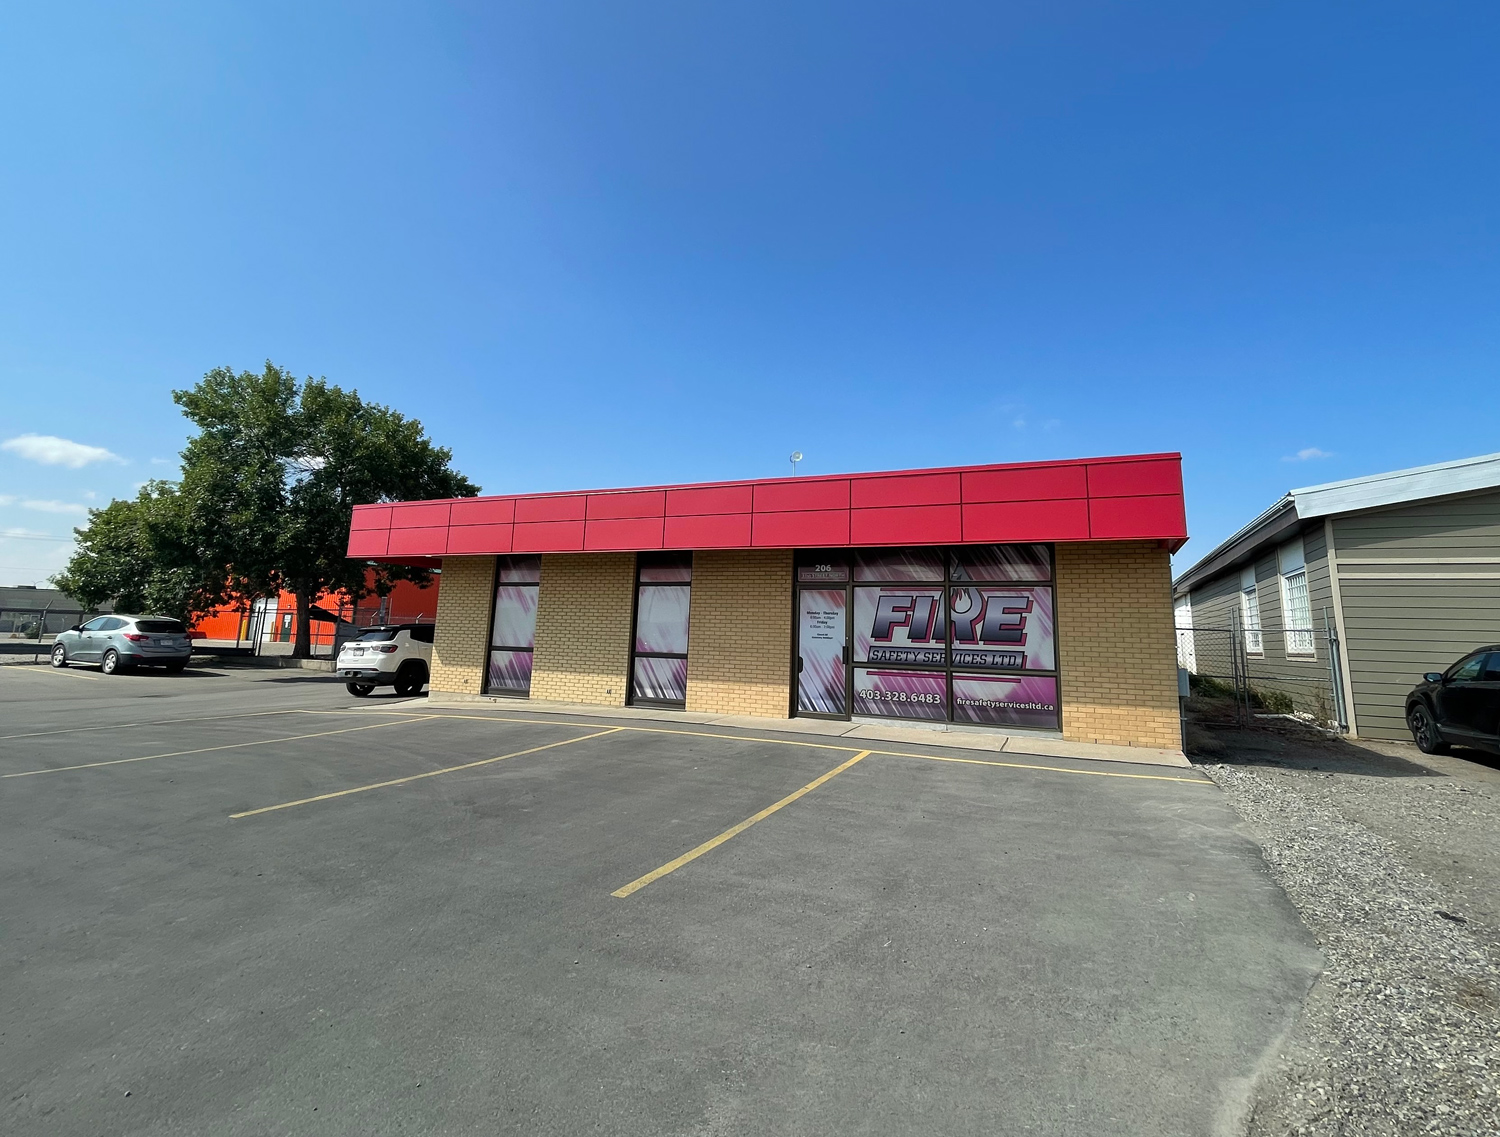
(242, 902)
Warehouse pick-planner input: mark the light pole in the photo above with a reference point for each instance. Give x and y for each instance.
(796, 457)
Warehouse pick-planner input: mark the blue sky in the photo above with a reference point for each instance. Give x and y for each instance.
(594, 244)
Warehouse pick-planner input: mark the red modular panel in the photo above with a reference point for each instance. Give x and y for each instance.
(548, 537)
(906, 525)
(1124, 498)
(709, 499)
(568, 507)
(368, 542)
(647, 503)
(789, 530)
(483, 511)
(711, 531)
(1131, 479)
(1004, 521)
(478, 539)
(777, 497)
(1035, 483)
(371, 517)
(623, 533)
(419, 515)
(906, 489)
(1124, 518)
(431, 542)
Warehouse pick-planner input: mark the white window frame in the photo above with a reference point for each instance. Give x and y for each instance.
(1255, 643)
(1296, 603)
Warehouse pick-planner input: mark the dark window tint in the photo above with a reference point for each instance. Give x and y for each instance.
(1002, 562)
(898, 564)
(1491, 673)
(518, 570)
(423, 635)
(173, 627)
(379, 636)
(111, 624)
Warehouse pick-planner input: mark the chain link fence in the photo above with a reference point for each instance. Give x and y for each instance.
(1269, 670)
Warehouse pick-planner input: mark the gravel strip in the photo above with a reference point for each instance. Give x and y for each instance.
(1401, 1036)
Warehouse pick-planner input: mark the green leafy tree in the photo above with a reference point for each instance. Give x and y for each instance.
(139, 553)
(268, 487)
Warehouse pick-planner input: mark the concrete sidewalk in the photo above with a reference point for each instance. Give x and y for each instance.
(935, 734)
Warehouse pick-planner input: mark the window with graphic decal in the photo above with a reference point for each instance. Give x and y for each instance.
(513, 626)
(964, 634)
(659, 648)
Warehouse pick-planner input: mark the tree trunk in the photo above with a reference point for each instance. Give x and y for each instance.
(303, 648)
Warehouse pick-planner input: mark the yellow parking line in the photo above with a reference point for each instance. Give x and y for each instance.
(209, 749)
(1052, 769)
(419, 777)
(693, 854)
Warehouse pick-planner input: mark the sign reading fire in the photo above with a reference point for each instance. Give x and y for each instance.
(1008, 628)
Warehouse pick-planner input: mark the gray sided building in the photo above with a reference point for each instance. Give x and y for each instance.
(1357, 587)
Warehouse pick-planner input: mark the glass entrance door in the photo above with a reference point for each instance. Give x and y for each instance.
(822, 652)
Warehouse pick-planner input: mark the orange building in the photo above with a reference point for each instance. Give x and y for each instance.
(274, 620)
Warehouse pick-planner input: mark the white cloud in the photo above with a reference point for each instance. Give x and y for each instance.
(54, 506)
(161, 461)
(7, 499)
(29, 535)
(50, 450)
(1308, 455)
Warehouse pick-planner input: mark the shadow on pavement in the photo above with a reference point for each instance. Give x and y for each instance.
(1214, 737)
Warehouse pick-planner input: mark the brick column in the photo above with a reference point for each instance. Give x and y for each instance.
(740, 641)
(1117, 651)
(583, 628)
(462, 636)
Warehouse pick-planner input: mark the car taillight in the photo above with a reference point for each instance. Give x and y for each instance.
(387, 648)
(135, 637)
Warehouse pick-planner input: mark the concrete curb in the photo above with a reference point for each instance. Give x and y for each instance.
(994, 742)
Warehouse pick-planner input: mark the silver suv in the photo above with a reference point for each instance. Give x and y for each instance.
(398, 655)
(117, 642)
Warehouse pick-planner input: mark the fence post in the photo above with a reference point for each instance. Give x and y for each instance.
(1336, 672)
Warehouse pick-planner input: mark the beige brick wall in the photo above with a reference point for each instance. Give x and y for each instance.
(1116, 648)
(462, 635)
(583, 628)
(740, 641)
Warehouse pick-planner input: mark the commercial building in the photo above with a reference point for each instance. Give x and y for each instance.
(1356, 587)
(1031, 597)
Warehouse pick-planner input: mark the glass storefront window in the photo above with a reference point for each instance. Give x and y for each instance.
(659, 646)
(901, 694)
(964, 634)
(898, 564)
(1001, 562)
(513, 626)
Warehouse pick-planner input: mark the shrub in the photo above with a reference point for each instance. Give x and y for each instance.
(1207, 687)
(1275, 702)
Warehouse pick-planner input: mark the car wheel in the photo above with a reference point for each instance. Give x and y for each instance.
(410, 678)
(110, 664)
(59, 656)
(359, 690)
(1424, 731)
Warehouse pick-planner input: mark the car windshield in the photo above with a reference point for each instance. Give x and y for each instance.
(160, 626)
(378, 636)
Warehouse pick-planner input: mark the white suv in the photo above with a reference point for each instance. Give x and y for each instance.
(396, 655)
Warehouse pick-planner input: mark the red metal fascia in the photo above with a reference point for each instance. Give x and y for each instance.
(1116, 498)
